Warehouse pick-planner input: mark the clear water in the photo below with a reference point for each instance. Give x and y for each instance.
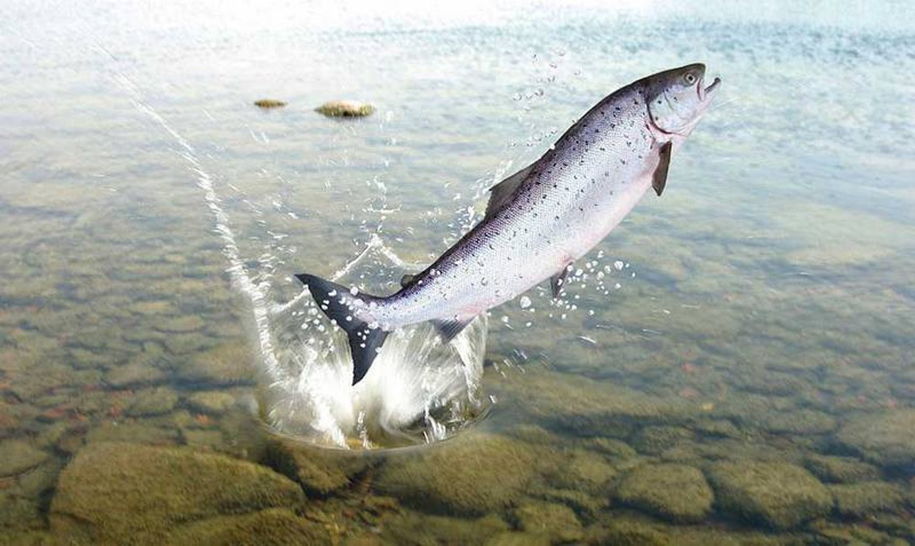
(762, 309)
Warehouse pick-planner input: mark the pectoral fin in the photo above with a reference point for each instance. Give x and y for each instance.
(406, 280)
(501, 192)
(558, 280)
(449, 328)
(659, 180)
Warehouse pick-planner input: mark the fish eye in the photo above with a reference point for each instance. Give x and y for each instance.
(690, 78)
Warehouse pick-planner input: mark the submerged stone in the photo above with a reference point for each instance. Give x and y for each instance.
(155, 401)
(841, 469)
(345, 108)
(274, 526)
(672, 491)
(139, 372)
(471, 474)
(885, 438)
(319, 471)
(556, 521)
(417, 528)
(780, 495)
(17, 456)
(211, 402)
(269, 103)
(656, 440)
(866, 498)
(120, 493)
(227, 364)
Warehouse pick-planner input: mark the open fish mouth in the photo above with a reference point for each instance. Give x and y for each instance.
(703, 93)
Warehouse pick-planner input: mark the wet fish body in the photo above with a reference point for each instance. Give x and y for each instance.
(539, 220)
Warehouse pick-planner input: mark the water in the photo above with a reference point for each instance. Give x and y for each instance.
(755, 321)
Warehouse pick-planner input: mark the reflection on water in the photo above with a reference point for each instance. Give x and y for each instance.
(732, 365)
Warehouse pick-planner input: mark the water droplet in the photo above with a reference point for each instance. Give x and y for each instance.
(525, 302)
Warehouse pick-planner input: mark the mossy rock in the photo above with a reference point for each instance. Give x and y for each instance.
(472, 474)
(210, 402)
(156, 401)
(556, 521)
(119, 493)
(841, 469)
(628, 531)
(672, 491)
(138, 372)
(269, 103)
(425, 529)
(517, 538)
(583, 470)
(319, 471)
(884, 438)
(866, 498)
(274, 526)
(18, 456)
(224, 365)
(780, 495)
(345, 108)
(657, 439)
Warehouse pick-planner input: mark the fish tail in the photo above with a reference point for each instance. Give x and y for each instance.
(348, 310)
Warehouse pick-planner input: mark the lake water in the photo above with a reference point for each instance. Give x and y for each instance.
(733, 364)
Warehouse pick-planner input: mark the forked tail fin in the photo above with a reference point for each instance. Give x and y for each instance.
(340, 305)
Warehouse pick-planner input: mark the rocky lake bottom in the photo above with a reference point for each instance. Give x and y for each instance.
(734, 365)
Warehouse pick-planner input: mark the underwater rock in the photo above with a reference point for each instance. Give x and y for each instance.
(269, 103)
(224, 365)
(471, 474)
(136, 373)
(139, 432)
(625, 530)
(656, 440)
(180, 325)
(319, 471)
(583, 470)
(672, 491)
(274, 526)
(616, 450)
(17, 456)
(156, 401)
(517, 538)
(884, 438)
(345, 108)
(205, 439)
(865, 498)
(210, 402)
(780, 495)
(18, 512)
(804, 421)
(840, 469)
(585, 505)
(420, 529)
(556, 521)
(127, 493)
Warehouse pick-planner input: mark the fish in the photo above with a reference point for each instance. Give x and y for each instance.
(539, 220)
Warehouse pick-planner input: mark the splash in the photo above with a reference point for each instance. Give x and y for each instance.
(419, 389)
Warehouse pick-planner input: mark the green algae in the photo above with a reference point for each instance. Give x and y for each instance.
(118, 492)
(672, 491)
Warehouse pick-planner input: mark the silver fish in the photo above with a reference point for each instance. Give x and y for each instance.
(538, 220)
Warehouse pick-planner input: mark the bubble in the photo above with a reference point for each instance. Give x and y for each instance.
(525, 302)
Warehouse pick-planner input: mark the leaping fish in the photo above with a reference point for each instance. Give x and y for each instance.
(539, 220)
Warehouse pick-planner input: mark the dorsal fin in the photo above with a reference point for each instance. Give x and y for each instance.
(659, 180)
(501, 192)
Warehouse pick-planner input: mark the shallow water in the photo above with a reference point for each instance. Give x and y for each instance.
(755, 321)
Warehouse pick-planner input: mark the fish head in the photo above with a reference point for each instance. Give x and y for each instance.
(677, 98)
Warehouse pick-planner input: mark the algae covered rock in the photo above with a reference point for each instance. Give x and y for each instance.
(420, 529)
(211, 402)
(555, 521)
(226, 364)
(274, 526)
(673, 491)
(153, 402)
(17, 456)
(319, 471)
(884, 438)
(840, 469)
(780, 495)
(866, 498)
(118, 493)
(471, 474)
(269, 103)
(657, 439)
(345, 108)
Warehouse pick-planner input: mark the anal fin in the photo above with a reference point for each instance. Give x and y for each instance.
(449, 328)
